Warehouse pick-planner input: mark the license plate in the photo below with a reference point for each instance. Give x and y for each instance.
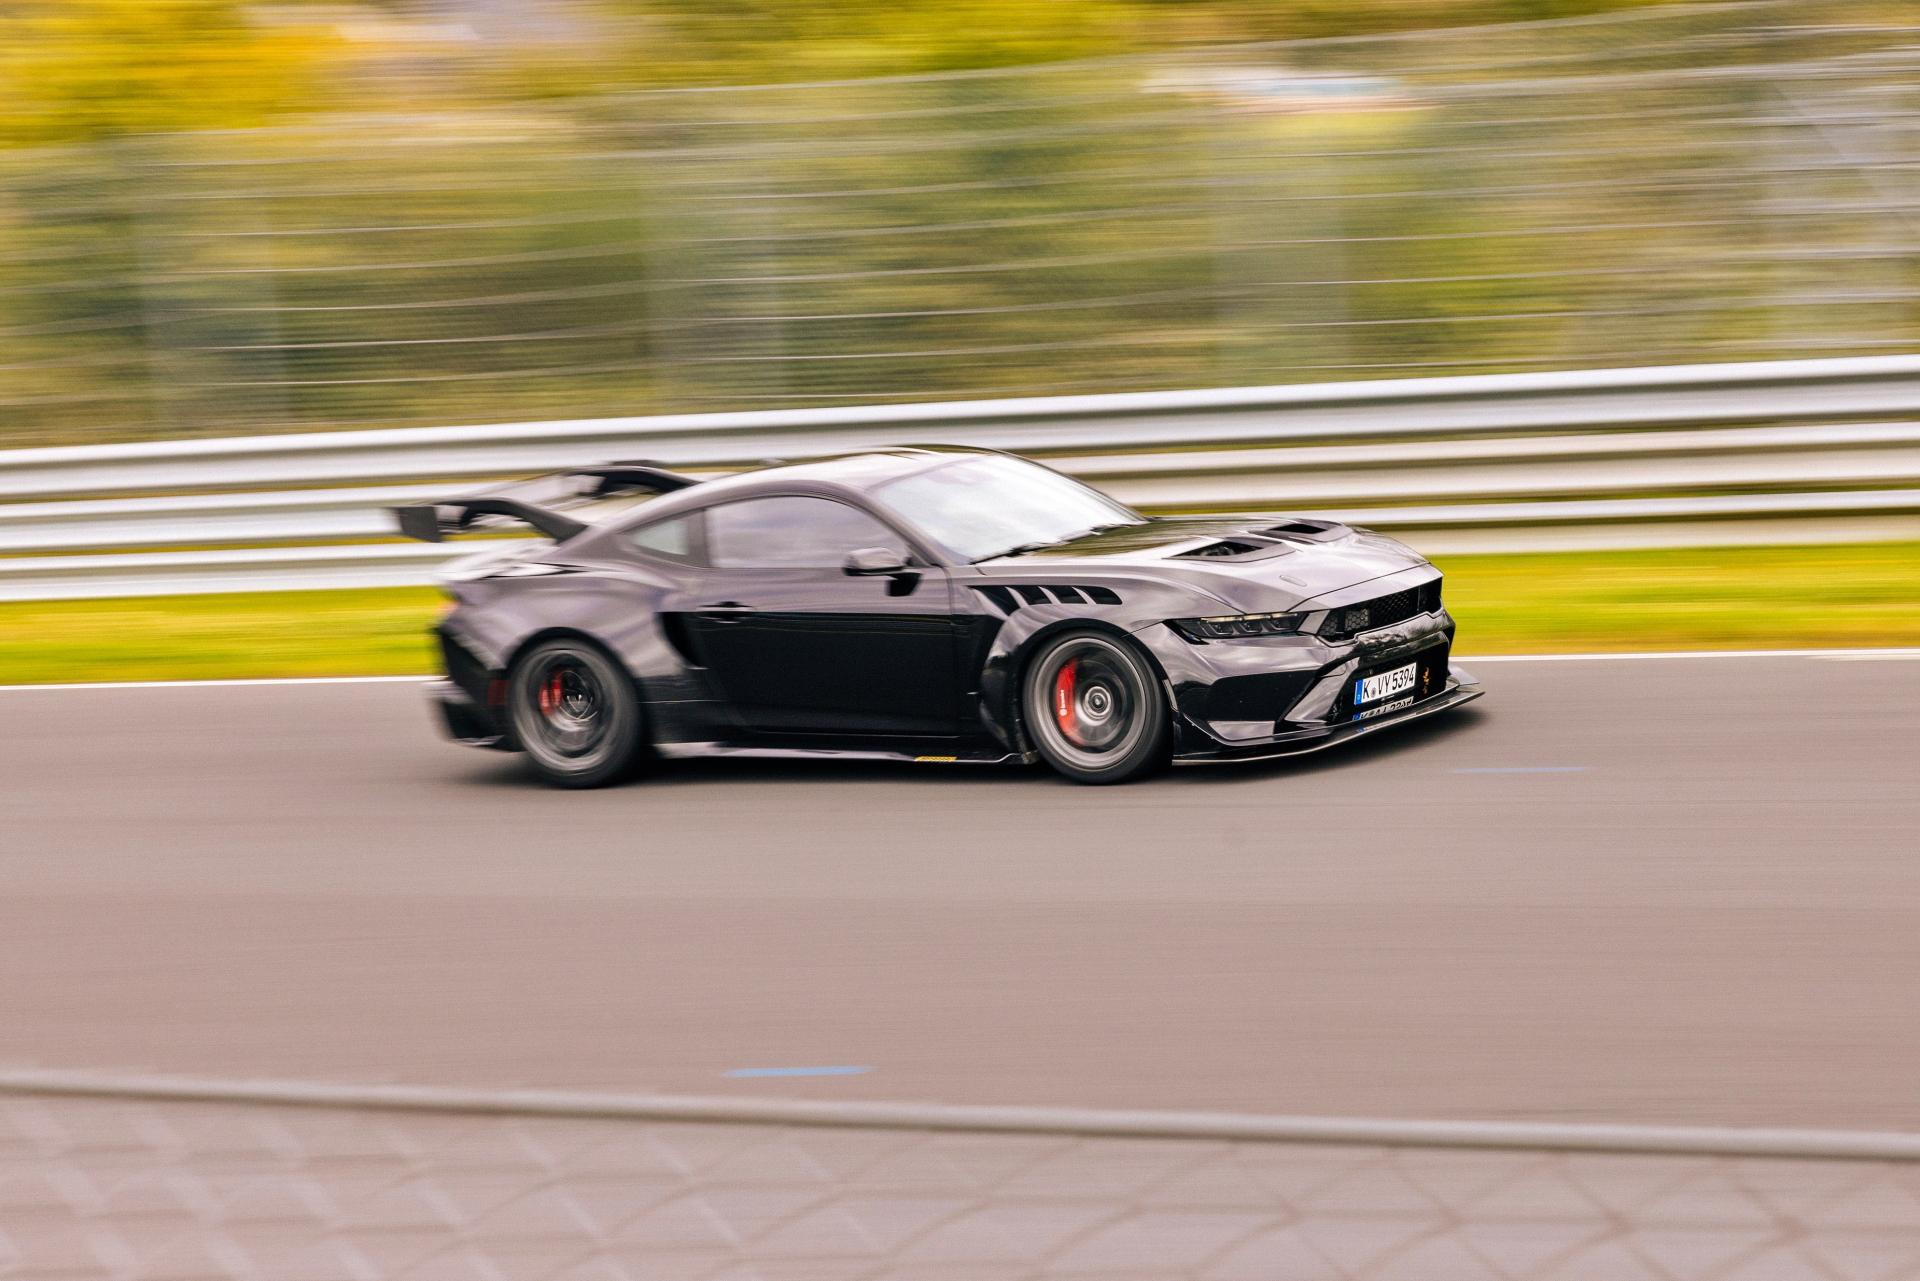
(1371, 689)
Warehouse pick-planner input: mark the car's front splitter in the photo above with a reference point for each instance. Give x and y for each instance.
(1453, 696)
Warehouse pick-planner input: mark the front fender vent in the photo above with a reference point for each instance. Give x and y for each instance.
(1010, 599)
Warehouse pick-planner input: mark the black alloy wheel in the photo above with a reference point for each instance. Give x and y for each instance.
(1094, 708)
(576, 713)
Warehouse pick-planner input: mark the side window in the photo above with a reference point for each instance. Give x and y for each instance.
(677, 539)
(792, 533)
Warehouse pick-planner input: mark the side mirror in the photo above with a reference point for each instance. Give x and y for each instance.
(871, 561)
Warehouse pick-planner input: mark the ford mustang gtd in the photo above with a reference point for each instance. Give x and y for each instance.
(926, 604)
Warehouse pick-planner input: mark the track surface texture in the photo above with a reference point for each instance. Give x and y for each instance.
(1713, 922)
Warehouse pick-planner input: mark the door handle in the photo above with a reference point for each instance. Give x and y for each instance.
(727, 611)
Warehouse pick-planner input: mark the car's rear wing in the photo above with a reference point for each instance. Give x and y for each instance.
(553, 504)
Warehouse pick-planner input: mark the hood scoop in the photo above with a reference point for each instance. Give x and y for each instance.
(1228, 549)
(1311, 531)
(1272, 540)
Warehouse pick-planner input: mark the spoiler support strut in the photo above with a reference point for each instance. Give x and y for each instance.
(429, 522)
(423, 520)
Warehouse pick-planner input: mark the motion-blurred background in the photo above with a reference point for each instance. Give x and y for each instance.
(221, 220)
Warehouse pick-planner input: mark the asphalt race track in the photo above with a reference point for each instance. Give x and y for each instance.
(1697, 901)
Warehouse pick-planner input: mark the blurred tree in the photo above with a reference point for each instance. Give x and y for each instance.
(732, 39)
(79, 70)
(652, 42)
(73, 71)
(1229, 21)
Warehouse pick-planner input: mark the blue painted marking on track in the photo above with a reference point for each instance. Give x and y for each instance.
(798, 1071)
(1528, 769)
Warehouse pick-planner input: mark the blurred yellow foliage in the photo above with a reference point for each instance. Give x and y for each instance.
(1235, 20)
(80, 70)
(774, 41)
(783, 40)
(74, 71)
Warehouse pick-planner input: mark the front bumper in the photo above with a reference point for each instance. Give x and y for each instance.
(1259, 700)
(1460, 689)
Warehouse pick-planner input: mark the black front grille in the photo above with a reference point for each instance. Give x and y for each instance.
(1382, 611)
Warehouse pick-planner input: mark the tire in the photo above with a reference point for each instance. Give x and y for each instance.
(1094, 709)
(576, 714)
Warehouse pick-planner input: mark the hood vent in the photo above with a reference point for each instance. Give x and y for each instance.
(1274, 540)
(1242, 548)
(1313, 531)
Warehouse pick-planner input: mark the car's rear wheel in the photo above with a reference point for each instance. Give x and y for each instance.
(576, 713)
(1094, 708)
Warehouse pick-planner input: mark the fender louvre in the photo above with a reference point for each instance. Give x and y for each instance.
(1007, 603)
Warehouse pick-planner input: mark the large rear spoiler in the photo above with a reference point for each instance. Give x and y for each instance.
(541, 502)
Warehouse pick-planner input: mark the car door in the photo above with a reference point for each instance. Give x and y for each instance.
(798, 645)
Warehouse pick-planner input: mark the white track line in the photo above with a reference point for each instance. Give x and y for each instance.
(288, 680)
(1512, 1135)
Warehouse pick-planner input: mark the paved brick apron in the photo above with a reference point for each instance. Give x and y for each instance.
(144, 1191)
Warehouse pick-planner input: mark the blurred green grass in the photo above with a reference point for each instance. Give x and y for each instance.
(1840, 596)
(375, 632)
(1862, 595)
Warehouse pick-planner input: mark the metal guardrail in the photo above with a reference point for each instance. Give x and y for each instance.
(144, 1179)
(1503, 1136)
(1788, 451)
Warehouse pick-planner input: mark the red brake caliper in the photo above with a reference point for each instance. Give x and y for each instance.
(550, 695)
(1063, 684)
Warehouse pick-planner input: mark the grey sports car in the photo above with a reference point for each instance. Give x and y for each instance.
(936, 604)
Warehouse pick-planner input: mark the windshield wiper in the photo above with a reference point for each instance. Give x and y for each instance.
(1023, 549)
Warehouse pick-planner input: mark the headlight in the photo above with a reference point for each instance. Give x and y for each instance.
(1233, 626)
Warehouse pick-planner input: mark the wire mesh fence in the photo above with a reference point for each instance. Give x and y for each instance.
(1668, 185)
(146, 1191)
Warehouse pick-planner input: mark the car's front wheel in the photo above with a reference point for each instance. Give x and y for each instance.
(576, 713)
(1094, 708)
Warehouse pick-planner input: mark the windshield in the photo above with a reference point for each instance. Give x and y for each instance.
(989, 505)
